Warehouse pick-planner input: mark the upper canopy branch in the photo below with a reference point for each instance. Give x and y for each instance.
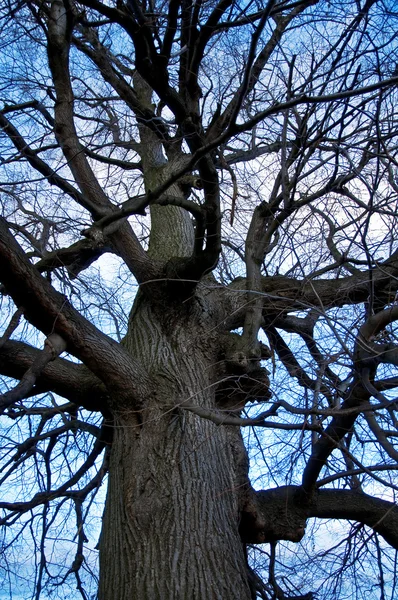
(255, 65)
(125, 242)
(40, 165)
(304, 99)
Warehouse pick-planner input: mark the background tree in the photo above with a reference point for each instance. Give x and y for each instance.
(237, 164)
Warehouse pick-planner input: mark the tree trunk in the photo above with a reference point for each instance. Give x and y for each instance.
(171, 522)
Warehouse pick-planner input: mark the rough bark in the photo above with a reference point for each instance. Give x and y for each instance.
(171, 523)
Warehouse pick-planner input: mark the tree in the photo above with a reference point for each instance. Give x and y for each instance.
(238, 163)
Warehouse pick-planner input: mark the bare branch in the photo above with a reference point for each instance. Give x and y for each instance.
(53, 347)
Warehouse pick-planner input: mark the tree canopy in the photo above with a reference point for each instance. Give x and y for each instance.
(198, 246)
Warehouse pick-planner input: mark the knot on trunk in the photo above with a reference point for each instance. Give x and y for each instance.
(242, 377)
(189, 182)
